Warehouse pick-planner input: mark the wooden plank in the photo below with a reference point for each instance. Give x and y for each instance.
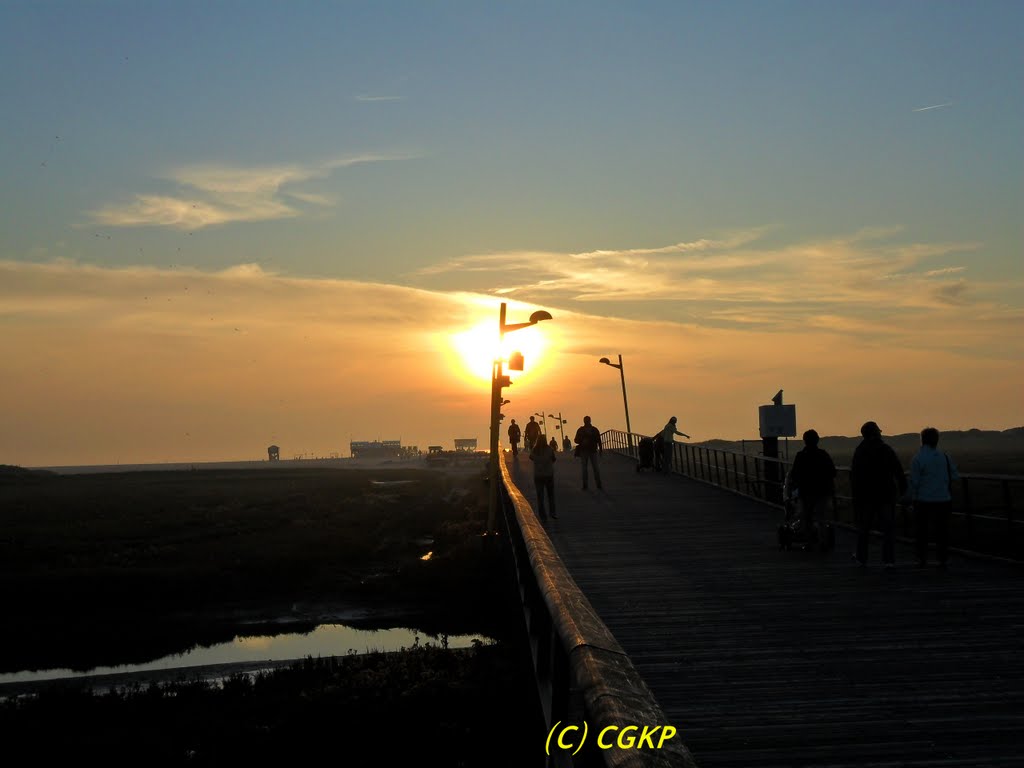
(770, 658)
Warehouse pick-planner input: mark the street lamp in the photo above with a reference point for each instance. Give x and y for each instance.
(499, 380)
(543, 426)
(625, 402)
(558, 425)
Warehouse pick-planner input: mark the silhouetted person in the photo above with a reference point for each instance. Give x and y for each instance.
(554, 445)
(813, 478)
(931, 484)
(668, 434)
(566, 444)
(876, 481)
(659, 452)
(514, 434)
(531, 434)
(543, 457)
(588, 446)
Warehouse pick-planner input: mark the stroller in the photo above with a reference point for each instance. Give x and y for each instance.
(791, 530)
(645, 451)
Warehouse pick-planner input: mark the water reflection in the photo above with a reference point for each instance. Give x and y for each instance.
(325, 640)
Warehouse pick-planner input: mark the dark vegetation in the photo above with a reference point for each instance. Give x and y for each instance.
(122, 568)
(423, 706)
(138, 565)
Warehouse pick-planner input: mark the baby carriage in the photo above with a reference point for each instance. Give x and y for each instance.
(791, 530)
(646, 454)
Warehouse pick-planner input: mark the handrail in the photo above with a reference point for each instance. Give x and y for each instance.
(974, 527)
(582, 673)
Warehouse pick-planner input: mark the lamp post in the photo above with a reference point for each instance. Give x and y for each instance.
(559, 424)
(499, 380)
(625, 402)
(543, 426)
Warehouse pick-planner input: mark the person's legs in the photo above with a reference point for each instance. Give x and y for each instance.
(942, 512)
(922, 511)
(538, 484)
(597, 469)
(549, 486)
(887, 520)
(666, 458)
(584, 458)
(808, 508)
(863, 512)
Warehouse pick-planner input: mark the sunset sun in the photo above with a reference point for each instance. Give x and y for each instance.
(476, 349)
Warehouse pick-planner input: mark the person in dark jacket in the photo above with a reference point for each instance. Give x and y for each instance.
(812, 479)
(514, 434)
(588, 448)
(532, 433)
(877, 482)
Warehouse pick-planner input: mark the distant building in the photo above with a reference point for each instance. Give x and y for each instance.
(273, 453)
(381, 449)
(467, 444)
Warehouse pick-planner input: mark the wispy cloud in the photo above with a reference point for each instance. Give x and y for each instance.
(367, 97)
(933, 106)
(219, 194)
(858, 283)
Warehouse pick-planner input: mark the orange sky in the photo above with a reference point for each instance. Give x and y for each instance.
(104, 365)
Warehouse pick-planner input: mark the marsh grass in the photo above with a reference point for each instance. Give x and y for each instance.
(120, 568)
(425, 705)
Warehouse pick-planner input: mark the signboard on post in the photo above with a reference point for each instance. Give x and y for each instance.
(777, 420)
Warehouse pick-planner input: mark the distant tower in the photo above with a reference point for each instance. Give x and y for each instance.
(274, 453)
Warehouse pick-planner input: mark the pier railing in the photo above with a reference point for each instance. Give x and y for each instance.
(986, 515)
(582, 673)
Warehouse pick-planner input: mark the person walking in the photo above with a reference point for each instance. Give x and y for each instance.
(554, 444)
(543, 457)
(668, 432)
(876, 482)
(532, 433)
(931, 484)
(813, 479)
(514, 434)
(588, 447)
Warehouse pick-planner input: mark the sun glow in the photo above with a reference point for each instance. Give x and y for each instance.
(476, 349)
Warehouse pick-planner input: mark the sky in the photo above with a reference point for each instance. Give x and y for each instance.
(230, 224)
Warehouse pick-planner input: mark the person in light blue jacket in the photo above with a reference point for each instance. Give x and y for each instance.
(932, 474)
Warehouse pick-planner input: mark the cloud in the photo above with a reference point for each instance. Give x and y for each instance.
(933, 106)
(103, 364)
(210, 195)
(367, 97)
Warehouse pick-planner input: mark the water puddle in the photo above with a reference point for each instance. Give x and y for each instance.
(325, 640)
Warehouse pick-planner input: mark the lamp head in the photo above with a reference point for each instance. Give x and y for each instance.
(539, 315)
(605, 360)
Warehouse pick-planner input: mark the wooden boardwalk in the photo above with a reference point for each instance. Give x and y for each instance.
(769, 658)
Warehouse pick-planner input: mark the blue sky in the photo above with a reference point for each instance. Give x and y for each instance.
(758, 166)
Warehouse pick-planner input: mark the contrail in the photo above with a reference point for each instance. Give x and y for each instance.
(933, 106)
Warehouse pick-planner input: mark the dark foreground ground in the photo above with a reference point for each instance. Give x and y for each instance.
(114, 569)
